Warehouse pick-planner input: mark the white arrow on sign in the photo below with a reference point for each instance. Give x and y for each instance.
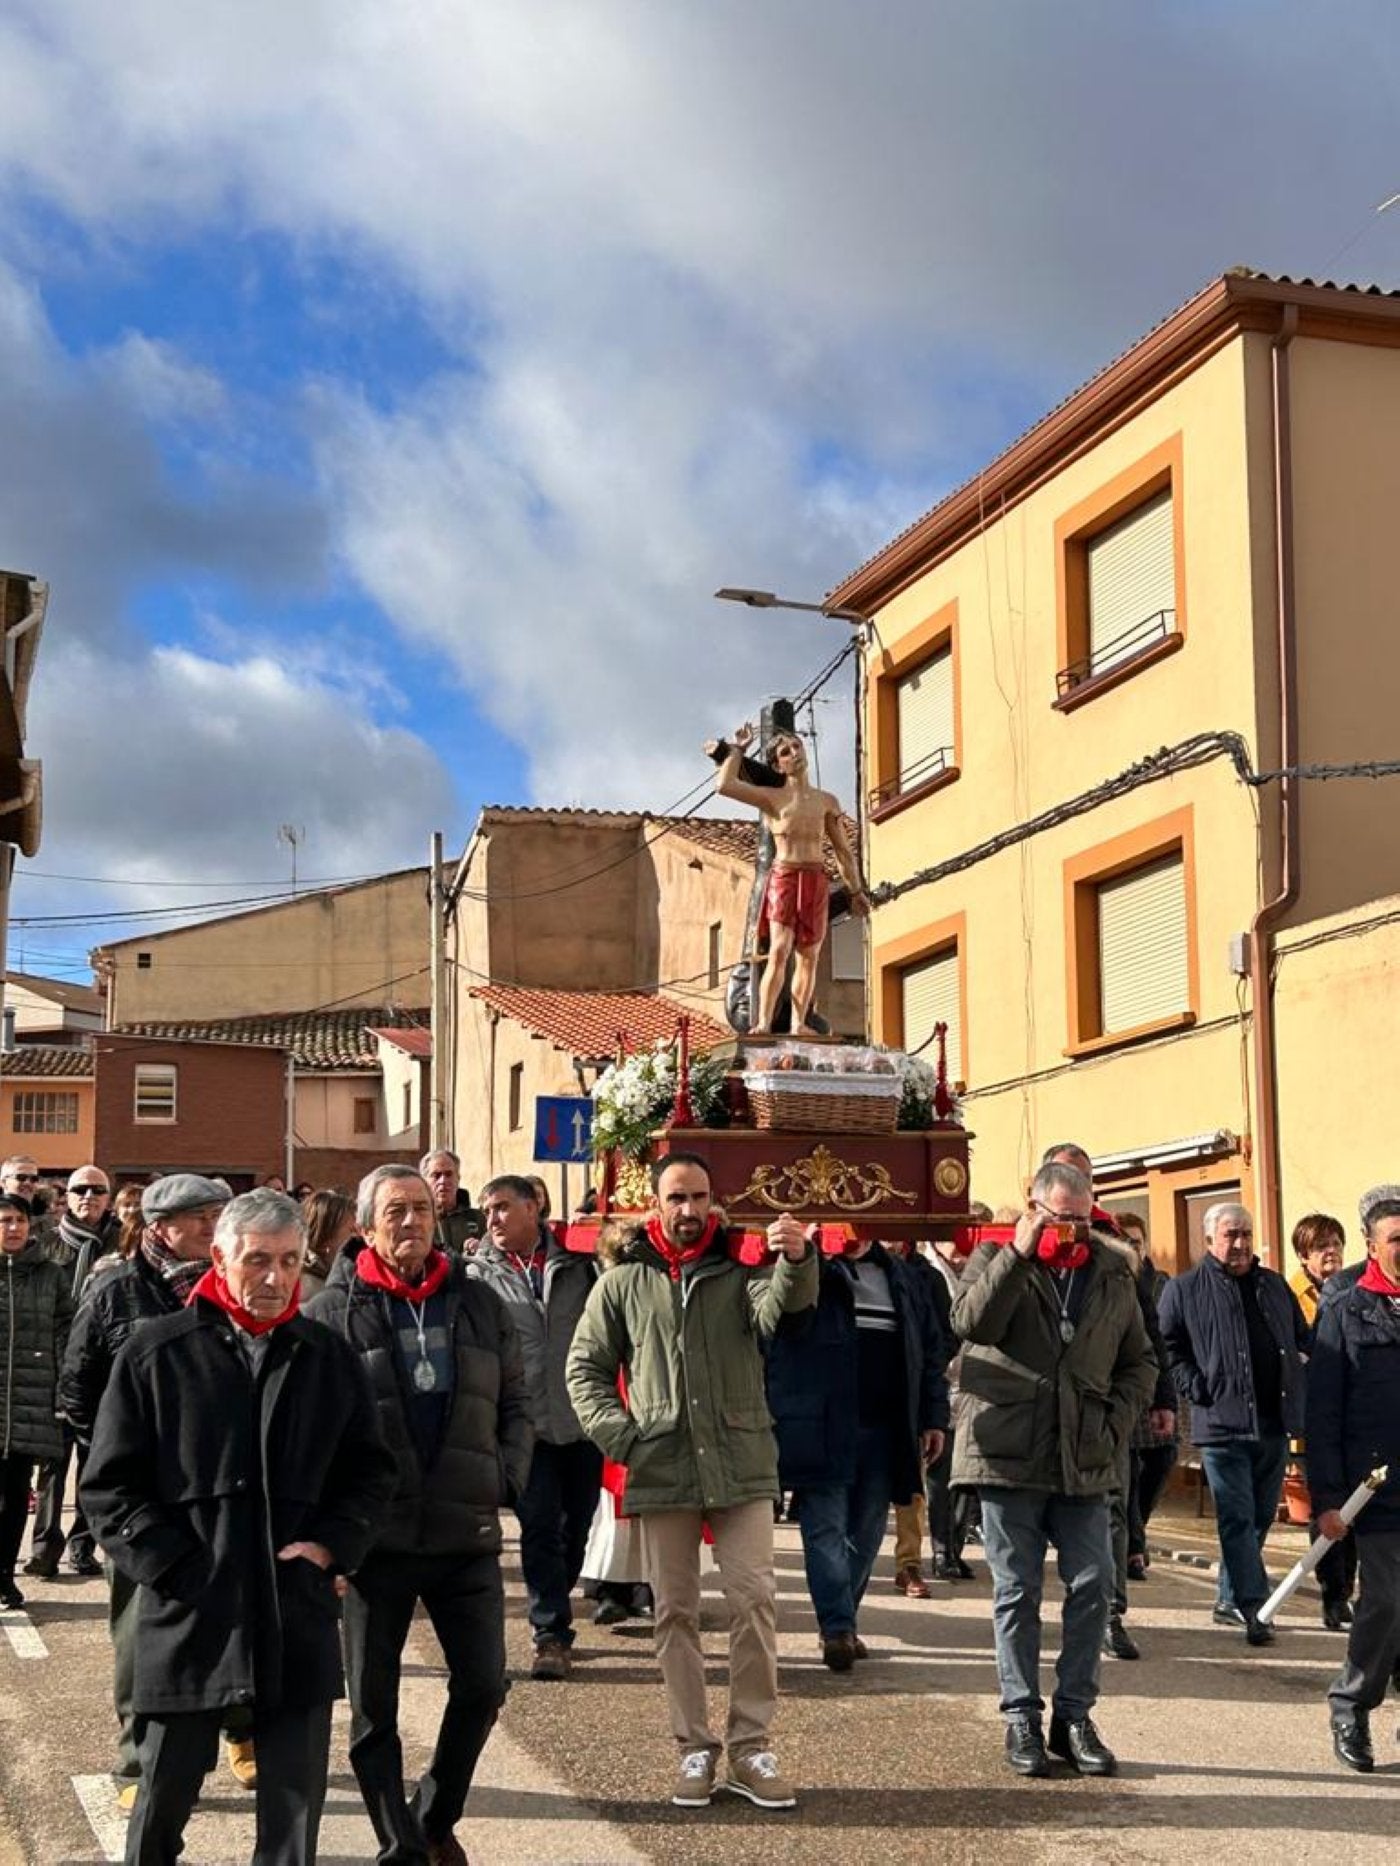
(580, 1130)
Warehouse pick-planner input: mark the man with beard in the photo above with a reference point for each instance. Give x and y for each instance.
(236, 1471)
(684, 1322)
(87, 1231)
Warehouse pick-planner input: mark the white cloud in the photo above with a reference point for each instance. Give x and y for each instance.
(736, 290)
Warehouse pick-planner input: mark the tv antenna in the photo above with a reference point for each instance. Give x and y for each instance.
(293, 837)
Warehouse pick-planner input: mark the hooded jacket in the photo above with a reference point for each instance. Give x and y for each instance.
(1037, 1412)
(695, 1431)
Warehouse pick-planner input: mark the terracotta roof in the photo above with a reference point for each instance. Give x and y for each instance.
(45, 1059)
(586, 1023)
(338, 1039)
(1240, 299)
(412, 1040)
(72, 996)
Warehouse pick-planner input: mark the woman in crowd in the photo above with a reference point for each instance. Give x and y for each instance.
(330, 1224)
(36, 1313)
(1319, 1244)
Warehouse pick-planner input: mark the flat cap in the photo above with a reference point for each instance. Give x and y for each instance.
(1372, 1201)
(181, 1192)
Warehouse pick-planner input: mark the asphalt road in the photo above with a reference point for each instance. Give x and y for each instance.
(1221, 1747)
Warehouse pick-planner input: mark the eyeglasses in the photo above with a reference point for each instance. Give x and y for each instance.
(25, 1179)
(83, 1191)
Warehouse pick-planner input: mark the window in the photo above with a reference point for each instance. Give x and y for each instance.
(1142, 946)
(931, 995)
(924, 702)
(1120, 572)
(716, 933)
(914, 715)
(41, 1111)
(1131, 936)
(143, 962)
(155, 1091)
(517, 1094)
(365, 1112)
(847, 948)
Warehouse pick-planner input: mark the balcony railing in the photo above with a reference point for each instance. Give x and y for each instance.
(913, 777)
(1116, 653)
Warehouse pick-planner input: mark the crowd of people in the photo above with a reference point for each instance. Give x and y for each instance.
(293, 1422)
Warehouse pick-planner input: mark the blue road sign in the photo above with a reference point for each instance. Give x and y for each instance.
(563, 1127)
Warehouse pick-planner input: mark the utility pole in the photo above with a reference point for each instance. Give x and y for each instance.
(437, 949)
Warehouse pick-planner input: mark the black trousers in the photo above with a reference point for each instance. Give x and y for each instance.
(949, 1510)
(556, 1513)
(15, 1474)
(1151, 1467)
(48, 1537)
(177, 1752)
(1373, 1645)
(465, 1601)
(1336, 1572)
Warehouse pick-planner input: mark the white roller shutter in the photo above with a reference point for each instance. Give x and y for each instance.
(931, 997)
(1143, 972)
(1132, 584)
(925, 700)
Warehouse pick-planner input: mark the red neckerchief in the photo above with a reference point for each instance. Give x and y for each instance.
(1057, 1256)
(212, 1287)
(675, 1257)
(1374, 1278)
(371, 1268)
(1105, 1221)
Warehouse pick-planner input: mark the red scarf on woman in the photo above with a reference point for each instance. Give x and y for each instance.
(371, 1268)
(1374, 1278)
(675, 1256)
(214, 1289)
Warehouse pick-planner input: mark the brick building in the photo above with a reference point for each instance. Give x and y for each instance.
(167, 1104)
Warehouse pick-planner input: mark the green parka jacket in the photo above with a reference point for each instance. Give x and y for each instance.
(1037, 1413)
(695, 1432)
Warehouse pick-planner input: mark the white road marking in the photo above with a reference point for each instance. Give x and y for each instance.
(97, 1796)
(20, 1630)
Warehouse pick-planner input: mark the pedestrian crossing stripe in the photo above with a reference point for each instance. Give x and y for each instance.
(97, 1797)
(23, 1635)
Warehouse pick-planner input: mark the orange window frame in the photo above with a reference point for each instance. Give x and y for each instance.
(921, 644)
(893, 960)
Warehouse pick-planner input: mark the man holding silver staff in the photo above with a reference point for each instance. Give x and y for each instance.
(1353, 1425)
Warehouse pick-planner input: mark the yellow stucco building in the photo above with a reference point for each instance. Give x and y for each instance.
(1098, 669)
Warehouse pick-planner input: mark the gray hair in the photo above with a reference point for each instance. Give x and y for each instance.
(1055, 1176)
(1380, 1202)
(440, 1153)
(369, 1188)
(259, 1213)
(1227, 1208)
(1053, 1155)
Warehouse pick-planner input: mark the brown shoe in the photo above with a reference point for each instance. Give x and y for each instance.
(910, 1581)
(839, 1652)
(242, 1763)
(552, 1660)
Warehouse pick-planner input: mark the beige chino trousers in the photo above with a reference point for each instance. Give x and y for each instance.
(671, 1541)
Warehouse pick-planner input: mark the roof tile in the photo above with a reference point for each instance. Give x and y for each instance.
(587, 1023)
(45, 1059)
(339, 1039)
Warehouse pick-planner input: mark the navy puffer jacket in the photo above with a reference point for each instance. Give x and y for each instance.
(1207, 1345)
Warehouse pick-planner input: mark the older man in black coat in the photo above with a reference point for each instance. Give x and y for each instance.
(236, 1470)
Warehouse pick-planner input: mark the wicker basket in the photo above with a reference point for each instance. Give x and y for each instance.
(803, 1101)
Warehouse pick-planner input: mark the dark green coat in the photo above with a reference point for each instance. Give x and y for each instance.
(36, 1313)
(1035, 1413)
(695, 1432)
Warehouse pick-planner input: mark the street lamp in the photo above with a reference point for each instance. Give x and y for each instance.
(765, 599)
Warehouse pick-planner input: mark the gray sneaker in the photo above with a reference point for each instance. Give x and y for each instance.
(756, 1778)
(695, 1780)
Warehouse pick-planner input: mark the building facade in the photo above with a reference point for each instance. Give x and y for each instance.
(1101, 669)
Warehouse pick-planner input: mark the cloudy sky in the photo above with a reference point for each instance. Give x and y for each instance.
(385, 389)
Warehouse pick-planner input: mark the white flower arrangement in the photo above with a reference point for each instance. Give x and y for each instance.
(634, 1097)
(919, 1082)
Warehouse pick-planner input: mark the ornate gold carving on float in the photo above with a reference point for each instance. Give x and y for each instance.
(821, 1179)
(950, 1178)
